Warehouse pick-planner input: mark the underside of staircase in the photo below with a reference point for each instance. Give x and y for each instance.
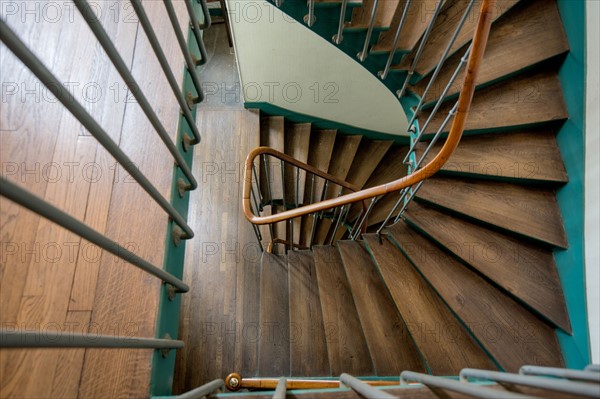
(466, 278)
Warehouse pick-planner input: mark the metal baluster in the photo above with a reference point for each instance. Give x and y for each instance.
(121, 67)
(196, 31)
(310, 18)
(257, 212)
(362, 56)
(437, 134)
(164, 64)
(260, 196)
(364, 218)
(278, 3)
(190, 62)
(363, 389)
(358, 218)
(203, 391)
(411, 196)
(15, 44)
(38, 205)
(268, 178)
(206, 14)
(280, 391)
(339, 36)
(580, 375)
(441, 61)
(343, 212)
(417, 58)
(463, 62)
(383, 74)
(389, 216)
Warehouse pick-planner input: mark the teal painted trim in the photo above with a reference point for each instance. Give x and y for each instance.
(163, 368)
(571, 200)
(320, 123)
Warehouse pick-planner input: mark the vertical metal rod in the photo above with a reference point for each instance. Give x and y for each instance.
(442, 61)
(123, 69)
(595, 368)
(463, 61)
(364, 218)
(417, 58)
(164, 64)
(256, 229)
(312, 189)
(337, 224)
(281, 389)
(260, 196)
(411, 196)
(389, 216)
(283, 185)
(191, 64)
(560, 373)
(383, 74)
(196, 31)
(407, 191)
(438, 134)
(268, 178)
(206, 13)
(362, 56)
(38, 205)
(203, 391)
(291, 240)
(19, 48)
(310, 18)
(297, 187)
(339, 37)
(358, 218)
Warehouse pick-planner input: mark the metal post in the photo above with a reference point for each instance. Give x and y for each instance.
(396, 205)
(204, 390)
(59, 339)
(364, 219)
(560, 373)
(260, 196)
(362, 56)
(206, 14)
(196, 31)
(36, 204)
(267, 174)
(281, 389)
(455, 386)
(339, 37)
(191, 64)
(364, 389)
(310, 18)
(383, 74)
(570, 387)
(595, 368)
(121, 67)
(164, 64)
(15, 44)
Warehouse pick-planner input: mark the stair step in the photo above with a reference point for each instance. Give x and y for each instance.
(367, 158)
(531, 155)
(511, 334)
(443, 30)
(274, 340)
(272, 135)
(525, 271)
(297, 145)
(390, 344)
(361, 16)
(528, 211)
(308, 349)
(321, 148)
(346, 345)
(528, 34)
(444, 343)
(417, 19)
(531, 98)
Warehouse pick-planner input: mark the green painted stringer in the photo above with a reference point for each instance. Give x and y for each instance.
(163, 368)
(571, 141)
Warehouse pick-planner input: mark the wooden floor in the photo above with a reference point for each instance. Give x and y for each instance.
(51, 280)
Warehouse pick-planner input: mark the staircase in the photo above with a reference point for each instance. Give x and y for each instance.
(466, 277)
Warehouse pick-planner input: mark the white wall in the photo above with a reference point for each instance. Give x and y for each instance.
(283, 63)
(592, 177)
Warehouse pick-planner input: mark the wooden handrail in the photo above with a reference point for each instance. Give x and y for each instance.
(464, 103)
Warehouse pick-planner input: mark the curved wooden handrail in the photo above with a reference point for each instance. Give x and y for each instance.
(464, 103)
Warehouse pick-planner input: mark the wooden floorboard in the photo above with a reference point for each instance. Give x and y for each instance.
(384, 326)
(346, 345)
(511, 334)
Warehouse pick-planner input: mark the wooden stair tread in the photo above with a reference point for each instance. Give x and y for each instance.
(528, 211)
(321, 148)
(297, 145)
(443, 30)
(391, 347)
(418, 17)
(308, 350)
(274, 344)
(367, 158)
(531, 98)
(511, 334)
(521, 155)
(272, 135)
(425, 314)
(386, 10)
(346, 345)
(525, 271)
(527, 35)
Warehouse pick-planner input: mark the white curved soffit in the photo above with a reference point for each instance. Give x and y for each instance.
(283, 63)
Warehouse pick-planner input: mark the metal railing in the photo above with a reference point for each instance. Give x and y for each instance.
(181, 230)
(337, 208)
